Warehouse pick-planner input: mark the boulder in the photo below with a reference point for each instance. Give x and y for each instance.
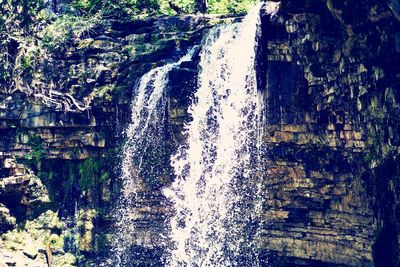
(6, 220)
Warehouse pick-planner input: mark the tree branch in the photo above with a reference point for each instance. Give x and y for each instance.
(176, 8)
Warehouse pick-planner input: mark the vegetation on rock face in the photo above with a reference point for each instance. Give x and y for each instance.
(18, 14)
(37, 149)
(16, 19)
(66, 29)
(34, 33)
(26, 244)
(86, 181)
(158, 7)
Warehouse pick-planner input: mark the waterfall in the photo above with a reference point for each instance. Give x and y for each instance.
(144, 142)
(215, 195)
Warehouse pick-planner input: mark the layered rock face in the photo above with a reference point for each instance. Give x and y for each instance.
(331, 168)
(61, 151)
(331, 177)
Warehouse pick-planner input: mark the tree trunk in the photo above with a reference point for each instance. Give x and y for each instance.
(201, 6)
(174, 7)
(49, 256)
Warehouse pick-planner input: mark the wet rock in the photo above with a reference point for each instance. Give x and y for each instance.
(26, 245)
(85, 223)
(332, 133)
(395, 7)
(317, 172)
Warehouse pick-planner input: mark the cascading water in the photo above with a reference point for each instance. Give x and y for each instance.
(215, 193)
(145, 135)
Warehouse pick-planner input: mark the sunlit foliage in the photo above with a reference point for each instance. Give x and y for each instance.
(18, 13)
(157, 7)
(29, 28)
(16, 17)
(229, 6)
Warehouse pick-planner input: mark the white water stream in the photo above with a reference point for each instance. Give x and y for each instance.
(144, 135)
(215, 195)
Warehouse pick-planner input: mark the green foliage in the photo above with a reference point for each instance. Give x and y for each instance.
(37, 152)
(65, 29)
(134, 8)
(117, 7)
(187, 6)
(88, 171)
(16, 14)
(92, 173)
(87, 5)
(16, 20)
(76, 178)
(26, 65)
(104, 177)
(229, 6)
(26, 62)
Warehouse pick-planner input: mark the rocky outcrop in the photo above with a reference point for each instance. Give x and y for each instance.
(6, 220)
(331, 130)
(61, 136)
(332, 135)
(30, 244)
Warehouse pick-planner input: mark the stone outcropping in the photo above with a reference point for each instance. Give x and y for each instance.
(68, 161)
(332, 135)
(332, 182)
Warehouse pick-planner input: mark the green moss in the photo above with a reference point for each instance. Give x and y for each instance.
(83, 178)
(26, 65)
(88, 171)
(104, 177)
(37, 151)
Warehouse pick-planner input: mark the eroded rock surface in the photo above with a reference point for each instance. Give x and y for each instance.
(331, 130)
(332, 136)
(60, 138)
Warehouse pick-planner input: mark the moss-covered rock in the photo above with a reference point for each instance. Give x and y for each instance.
(27, 243)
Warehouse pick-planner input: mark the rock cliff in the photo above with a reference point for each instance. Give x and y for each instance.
(332, 178)
(331, 167)
(59, 150)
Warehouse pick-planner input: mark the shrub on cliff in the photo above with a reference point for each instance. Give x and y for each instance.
(157, 7)
(16, 17)
(65, 29)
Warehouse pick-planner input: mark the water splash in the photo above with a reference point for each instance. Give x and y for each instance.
(215, 193)
(144, 136)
